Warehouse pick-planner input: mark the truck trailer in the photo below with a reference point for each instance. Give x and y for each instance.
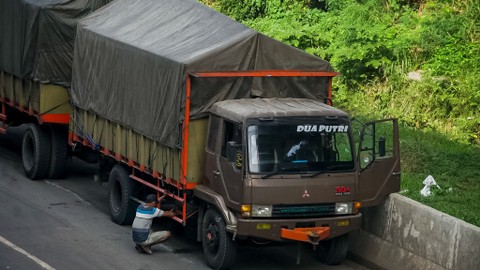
(237, 129)
(36, 54)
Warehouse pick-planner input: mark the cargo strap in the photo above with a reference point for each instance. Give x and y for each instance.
(309, 235)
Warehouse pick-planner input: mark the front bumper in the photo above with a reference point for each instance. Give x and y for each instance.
(309, 230)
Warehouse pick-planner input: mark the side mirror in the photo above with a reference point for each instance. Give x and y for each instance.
(382, 146)
(232, 149)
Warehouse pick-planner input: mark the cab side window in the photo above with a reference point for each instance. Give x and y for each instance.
(232, 132)
(213, 131)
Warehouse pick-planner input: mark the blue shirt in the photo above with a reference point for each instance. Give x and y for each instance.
(143, 222)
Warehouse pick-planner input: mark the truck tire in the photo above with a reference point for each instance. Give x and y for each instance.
(36, 151)
(122, 208)
(59, 143)
(218, 247)
(333, 251)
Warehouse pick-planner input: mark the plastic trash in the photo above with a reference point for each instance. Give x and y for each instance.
(428, 182)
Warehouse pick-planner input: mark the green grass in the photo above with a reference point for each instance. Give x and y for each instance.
(454, 166)
(447, 156)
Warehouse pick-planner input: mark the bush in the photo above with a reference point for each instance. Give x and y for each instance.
(374, 44)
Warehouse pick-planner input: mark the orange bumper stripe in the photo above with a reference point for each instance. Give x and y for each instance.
(310, 235)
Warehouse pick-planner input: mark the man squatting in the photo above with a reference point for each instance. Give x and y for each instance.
(142, 234)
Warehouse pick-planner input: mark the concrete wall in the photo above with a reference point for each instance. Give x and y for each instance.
(404, 234)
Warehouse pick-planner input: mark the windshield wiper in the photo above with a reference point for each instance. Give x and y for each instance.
(284, 170)
(270, 174)
(311, 174)
(327, 170)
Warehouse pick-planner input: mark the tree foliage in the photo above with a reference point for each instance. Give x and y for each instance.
(377, 44)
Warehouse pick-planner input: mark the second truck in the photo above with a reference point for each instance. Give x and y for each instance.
(235, 127)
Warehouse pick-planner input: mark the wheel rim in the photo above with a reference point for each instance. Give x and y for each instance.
(28, 152)
(212, 238)
(116, 197)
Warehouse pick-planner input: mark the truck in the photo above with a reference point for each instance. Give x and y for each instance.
(235, 128)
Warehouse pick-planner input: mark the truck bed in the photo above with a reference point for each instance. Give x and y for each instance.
(38, 98)
(133, 146)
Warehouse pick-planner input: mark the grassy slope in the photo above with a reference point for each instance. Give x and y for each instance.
(454, 166)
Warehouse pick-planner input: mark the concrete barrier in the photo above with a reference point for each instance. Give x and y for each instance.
(404, 234)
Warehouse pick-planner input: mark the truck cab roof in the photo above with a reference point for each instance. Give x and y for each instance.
(238, 110)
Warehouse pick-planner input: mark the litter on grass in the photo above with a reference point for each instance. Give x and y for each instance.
(429, 182)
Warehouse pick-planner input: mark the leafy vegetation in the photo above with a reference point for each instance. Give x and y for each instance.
(418, 60)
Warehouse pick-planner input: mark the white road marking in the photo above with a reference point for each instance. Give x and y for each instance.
(43, 264)
(69, 191)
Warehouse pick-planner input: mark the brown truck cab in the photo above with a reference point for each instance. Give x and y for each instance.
(287, 169)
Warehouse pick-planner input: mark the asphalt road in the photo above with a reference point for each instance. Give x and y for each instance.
(65, 224)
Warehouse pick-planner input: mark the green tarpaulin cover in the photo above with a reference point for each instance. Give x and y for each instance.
(36, 37)
(132, 58)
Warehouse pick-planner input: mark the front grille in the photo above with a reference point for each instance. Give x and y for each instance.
(308, 210)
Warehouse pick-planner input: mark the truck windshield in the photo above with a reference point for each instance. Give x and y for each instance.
(299, 145)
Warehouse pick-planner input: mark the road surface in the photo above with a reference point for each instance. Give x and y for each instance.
(65, 224)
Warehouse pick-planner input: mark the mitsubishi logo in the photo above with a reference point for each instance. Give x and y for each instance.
(305, 194)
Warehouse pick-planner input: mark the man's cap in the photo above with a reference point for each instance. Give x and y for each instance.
(151, 198)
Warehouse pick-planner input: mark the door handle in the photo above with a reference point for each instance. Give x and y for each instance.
(396, 173)
(216, 173)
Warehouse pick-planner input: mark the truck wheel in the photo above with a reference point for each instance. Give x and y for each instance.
(218, 247)
(36, 151)
(333, 251)
(122, 209)
(59, 142)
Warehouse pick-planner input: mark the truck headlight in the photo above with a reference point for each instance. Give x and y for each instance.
(261, 210)
(246, 210)
(343, 208)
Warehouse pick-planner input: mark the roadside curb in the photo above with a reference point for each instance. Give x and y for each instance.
(405, 234)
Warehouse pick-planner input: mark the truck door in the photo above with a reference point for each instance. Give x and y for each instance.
(231, 172)
(379, 161)
(224, 176)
